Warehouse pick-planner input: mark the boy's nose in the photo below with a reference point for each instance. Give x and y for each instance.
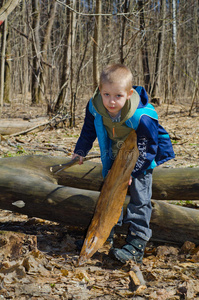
(112, 100)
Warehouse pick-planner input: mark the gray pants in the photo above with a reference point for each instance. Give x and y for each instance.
(139, 208)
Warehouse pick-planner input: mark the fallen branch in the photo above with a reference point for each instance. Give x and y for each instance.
(111, 199)
(39, 125)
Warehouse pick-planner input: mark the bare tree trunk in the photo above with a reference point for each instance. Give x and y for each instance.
(97, 43)
(6, 9)
(144, 50)
(172, 57)
(73, 95)
(196, 88)
(25, 75)
(36, 65)
(43, 79)
(7, 76)
(155, 91)
(122, 33)
(194, 96)
(3, 61)
(174, 49)
(63, 93)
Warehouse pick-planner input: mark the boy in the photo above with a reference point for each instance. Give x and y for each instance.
(115, 109)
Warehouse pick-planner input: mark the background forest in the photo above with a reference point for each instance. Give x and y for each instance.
(51, 54)
(52, 51)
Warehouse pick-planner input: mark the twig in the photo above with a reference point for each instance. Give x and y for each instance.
(58, 168)
(88, 172)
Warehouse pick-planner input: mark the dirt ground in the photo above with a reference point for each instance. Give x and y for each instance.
(38, 258)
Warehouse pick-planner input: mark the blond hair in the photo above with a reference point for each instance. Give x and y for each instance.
(116, 73)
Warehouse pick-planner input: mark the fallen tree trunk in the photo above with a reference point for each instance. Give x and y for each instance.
(75, 207)
(27, 186)
(168, 184)
(16, 126)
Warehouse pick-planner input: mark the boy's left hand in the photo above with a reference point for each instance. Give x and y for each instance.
(130, 180)
(80, 158)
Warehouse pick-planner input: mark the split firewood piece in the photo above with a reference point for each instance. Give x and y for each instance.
(111, 198)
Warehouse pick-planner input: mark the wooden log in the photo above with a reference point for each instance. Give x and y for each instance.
(75, 207)
(16, 126)
(174, 223)
(28, 187)
(168, 183)
(111, 199)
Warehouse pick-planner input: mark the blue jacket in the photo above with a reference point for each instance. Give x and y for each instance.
(153, 141)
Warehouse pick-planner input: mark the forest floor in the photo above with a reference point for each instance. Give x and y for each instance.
(38, 257)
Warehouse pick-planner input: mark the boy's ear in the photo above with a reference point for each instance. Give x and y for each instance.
(130, 94)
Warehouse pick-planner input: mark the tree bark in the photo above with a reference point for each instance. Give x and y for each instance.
(8, 70)
(72, 94)
(36, 62)
(97, 43)
(6, 9)
(168, 184)
(122, 33)
(43, 76)
(28, 187)
(65, 76)
(144, 50)
(3, 63)
(159, 61)
(17, 126)
(111, 198)
(174, 223)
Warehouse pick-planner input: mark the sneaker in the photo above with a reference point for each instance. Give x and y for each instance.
(133, 250)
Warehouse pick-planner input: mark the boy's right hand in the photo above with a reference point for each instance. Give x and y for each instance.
(80, 158)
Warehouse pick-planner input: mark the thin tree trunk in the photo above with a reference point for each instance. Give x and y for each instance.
(65, 77)
(155, 91)
(44, 51)
(97, 43)
(3, 62)
(73, 94)
(196, 88)
(6, 9)
(174, 91)
(36, 66)
(8, 70)
(122, 33)
(25, 73)
(144, 50)
(194, 96)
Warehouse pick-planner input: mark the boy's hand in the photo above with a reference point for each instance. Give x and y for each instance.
(80, 158)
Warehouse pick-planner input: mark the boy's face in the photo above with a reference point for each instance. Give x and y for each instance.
(114, 97)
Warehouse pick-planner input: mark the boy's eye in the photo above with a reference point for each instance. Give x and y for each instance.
(106, 94)
(118, 96)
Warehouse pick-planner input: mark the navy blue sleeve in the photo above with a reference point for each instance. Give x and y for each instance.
(87, 136)
(147, 140)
